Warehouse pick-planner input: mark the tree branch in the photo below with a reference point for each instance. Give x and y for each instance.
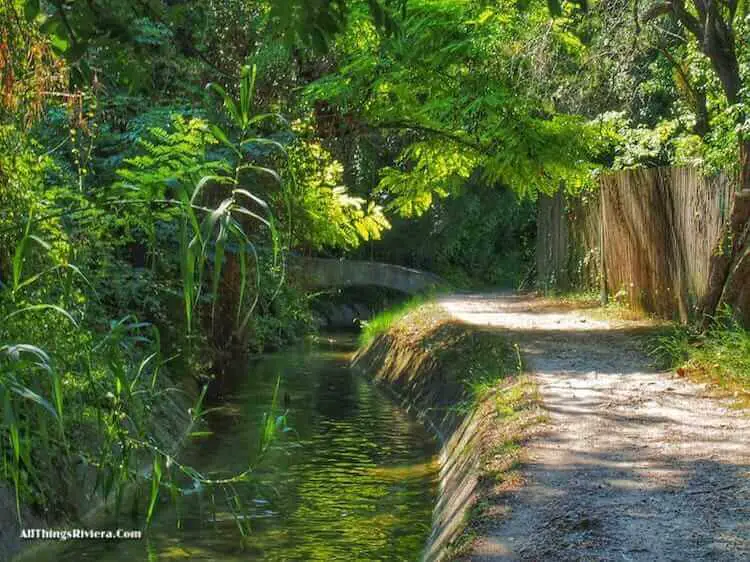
(656, 10)
(698, 97)
(424, 128)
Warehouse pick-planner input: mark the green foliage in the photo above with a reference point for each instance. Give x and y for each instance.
(640, 146)
(175, 171)
(441, 83)
(97, 399)
(490, 362)
(316, 22)
(169, 158)
(76, 387)
(322, 212)
(719, 356)
(96, 394)
(129, 190)
(23, 191)
(384, 321)
(481, 237)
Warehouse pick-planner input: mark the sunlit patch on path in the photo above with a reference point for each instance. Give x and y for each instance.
(635, 464)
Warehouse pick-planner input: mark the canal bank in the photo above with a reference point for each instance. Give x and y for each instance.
(469, 386)
(463, 382)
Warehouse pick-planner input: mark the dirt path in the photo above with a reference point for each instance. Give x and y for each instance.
(635, 464)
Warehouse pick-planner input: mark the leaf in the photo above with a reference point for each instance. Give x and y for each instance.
(71, 267)
(221, 136)
(38, 307)
(209, 223)
(252, 197)
(243, 284)
(29, 394)
(247, 92)
(244, 211)
(218, 262)
(229, 104)
(263, 116)
(262, 170)
(14, 352)
(57, 396)
(141, 368)
(262, 141)
(39, 241)
(59, 43)
(19, 256)
(187, 270)
(204, 180)
(155, 483)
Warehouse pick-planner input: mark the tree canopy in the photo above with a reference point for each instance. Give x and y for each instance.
(160, 159)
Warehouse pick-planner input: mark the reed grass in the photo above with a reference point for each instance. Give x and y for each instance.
(98, 400)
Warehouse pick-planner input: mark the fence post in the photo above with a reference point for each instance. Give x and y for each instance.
(603, 295)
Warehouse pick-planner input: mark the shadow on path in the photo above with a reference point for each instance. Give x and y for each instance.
(635, 464)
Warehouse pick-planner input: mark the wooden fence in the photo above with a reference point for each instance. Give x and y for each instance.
(647, 233)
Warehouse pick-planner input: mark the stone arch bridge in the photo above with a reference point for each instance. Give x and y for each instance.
(318, 273)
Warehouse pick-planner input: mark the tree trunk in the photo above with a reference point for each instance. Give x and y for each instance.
(737, 287)
(729, 269)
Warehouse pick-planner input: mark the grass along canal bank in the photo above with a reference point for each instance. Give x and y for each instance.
(469, 385)
(89, 499)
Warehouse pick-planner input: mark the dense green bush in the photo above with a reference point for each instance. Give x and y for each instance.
(483, 237)
(118, 269)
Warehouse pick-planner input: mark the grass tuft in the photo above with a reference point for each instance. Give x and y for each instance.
(383, 321)
(719, 356)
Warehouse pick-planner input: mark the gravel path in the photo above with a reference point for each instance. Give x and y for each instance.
(634, 465)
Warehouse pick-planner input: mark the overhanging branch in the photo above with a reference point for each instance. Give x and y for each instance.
(427, 129)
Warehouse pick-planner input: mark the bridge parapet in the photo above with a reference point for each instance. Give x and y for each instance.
(325, 272)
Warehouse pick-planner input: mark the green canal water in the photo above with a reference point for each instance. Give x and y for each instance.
(356, 480)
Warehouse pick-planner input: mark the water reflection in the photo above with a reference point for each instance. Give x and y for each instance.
(357, 482)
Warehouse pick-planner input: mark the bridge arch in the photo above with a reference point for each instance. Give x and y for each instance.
(318, 273)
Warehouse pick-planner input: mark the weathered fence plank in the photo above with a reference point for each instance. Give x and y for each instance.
(658, 228)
